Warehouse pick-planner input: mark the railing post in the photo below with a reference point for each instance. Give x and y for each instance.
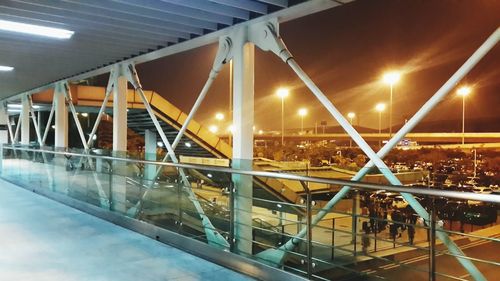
(309, 235)
(333, 238)
(432, 242)
(231, 216)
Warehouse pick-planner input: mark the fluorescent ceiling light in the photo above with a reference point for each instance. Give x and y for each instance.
(18, 106)
(35, 29)
(6, 68)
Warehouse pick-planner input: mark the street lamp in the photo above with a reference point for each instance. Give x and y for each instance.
(463, 91)
(283, 93)
(351, 116)
(391, 78)
(380, 107)
(302, 113)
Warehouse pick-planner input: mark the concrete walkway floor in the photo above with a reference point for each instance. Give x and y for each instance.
(41, 239)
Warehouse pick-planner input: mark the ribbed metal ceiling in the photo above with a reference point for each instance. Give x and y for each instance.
(107, 31)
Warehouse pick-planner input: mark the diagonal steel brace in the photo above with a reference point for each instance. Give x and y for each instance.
(213, 236)
(103, 198)
(266, 37)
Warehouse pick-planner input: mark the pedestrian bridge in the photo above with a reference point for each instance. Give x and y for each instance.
(222, 208)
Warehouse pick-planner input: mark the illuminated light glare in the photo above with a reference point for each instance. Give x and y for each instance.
(6, 68)
(94, 137)
(392, 77)
(85, 114)
(283, 92)
(261, 132)
(32, 29)
(351, 115)
(187, 144)
(53, 126)
(380, 107)
(159, 144)
(303, 112)
(219, 116)
(209, 175)
(463, 91)
(19, 106)
(213, 129)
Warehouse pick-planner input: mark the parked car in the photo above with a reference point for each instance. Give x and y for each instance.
(480, 215)
(453, 210)
(482, 190)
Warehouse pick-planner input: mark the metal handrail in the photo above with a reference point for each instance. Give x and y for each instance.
(492, 198)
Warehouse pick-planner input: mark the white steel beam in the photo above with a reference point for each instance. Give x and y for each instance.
(243, 121)
(150, 147)
(109, 89)
(120, 111)
(61, 122)
(103, 198)
(4, 121)
(49, 122)
(9, 125)
(224, 55)
(213, 236)
(276, 45)
(18, 128)
(24, 117)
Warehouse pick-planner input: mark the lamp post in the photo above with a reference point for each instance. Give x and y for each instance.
(380, 107)
(463, 91)
(391, 78)
(351, 116)
(302, 113)
(283, 93)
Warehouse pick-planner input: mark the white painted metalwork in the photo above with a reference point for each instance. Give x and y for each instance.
(9, 125)
(103, 198)
(49, 121)
(109, 89)
(18, 127)
(25, 124)
(261, 37)
(213, 236)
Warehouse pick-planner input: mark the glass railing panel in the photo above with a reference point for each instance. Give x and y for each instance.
(369, 234)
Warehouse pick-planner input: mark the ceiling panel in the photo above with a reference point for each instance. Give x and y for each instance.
(108, 31)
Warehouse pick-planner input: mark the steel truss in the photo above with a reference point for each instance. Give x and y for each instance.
(266, 37)
(213, 236)
(103, 198)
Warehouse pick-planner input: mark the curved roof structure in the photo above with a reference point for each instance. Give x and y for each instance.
(111, 31)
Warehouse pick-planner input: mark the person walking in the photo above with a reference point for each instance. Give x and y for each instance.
(365, 240)
(411, 234)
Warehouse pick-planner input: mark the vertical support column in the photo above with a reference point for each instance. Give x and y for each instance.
(150, 154)
(4, 120)
(120, 111)
(61, 122)
(25, 120)
(243, 121)
(39, 122)
(119, 180)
